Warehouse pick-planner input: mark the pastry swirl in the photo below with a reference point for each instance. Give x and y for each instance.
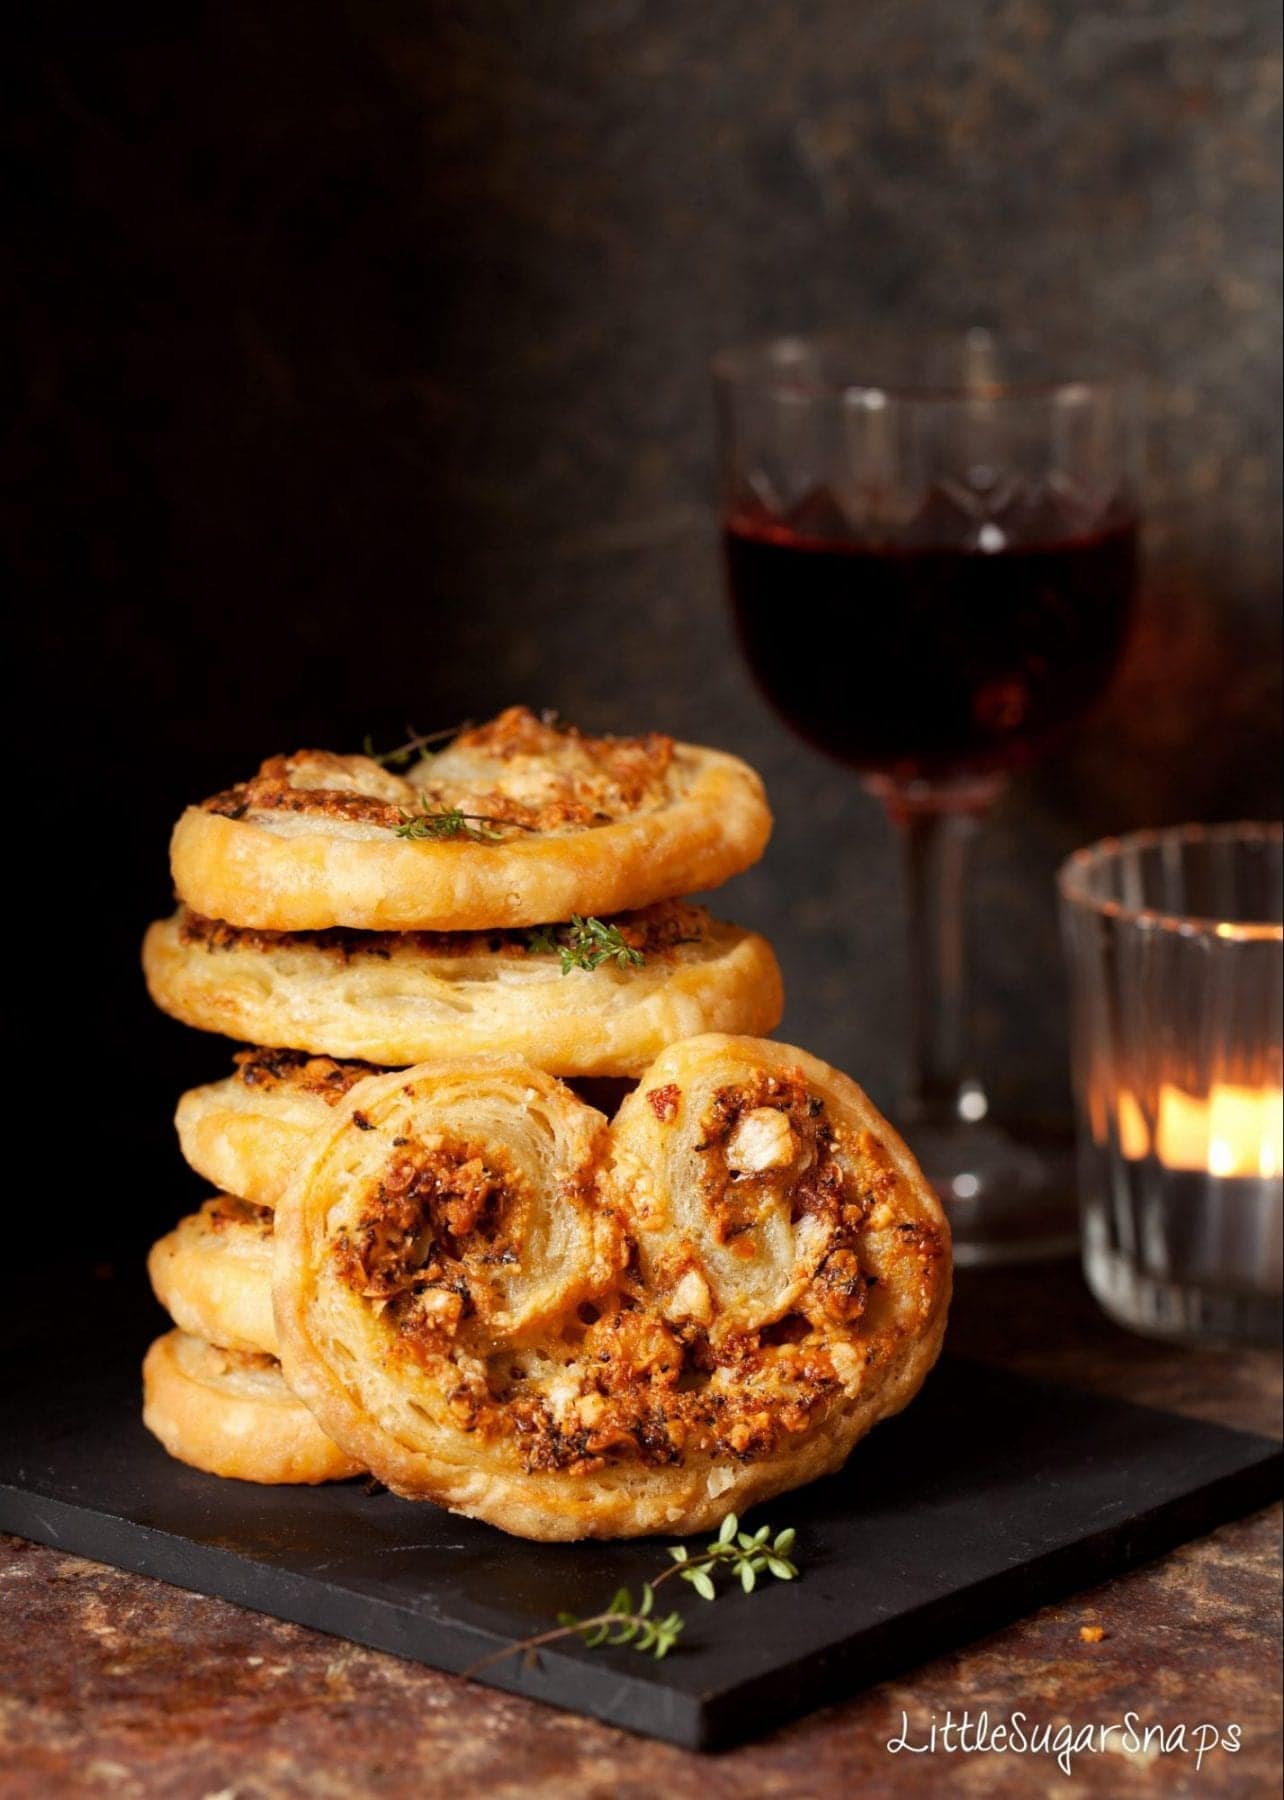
(401, 998)
(521, 821)
(231, 1414)
(495, 1301)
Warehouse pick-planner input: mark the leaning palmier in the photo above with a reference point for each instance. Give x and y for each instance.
(597, 999)
(495, 1301)
(516, 822)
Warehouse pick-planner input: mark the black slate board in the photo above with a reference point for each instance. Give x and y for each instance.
(991, 1495)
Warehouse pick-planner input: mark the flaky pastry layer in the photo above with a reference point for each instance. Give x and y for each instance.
(401, 998)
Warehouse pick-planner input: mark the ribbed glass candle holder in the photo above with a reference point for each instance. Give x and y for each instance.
(1175, 941)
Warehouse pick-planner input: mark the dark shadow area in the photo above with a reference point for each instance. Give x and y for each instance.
(360, 362)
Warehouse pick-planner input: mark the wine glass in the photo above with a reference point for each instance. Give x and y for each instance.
(933, 573)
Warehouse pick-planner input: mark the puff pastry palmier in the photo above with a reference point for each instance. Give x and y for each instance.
(408, 997)
(213, 1275)
(757, 1273)
(230, 1413)
(515, 823)
(245, 1134)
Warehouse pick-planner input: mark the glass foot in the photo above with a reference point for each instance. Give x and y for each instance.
(1008, 1197)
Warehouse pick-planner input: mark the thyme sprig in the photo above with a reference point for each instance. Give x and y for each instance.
(585, 944)
(745, 1555)
(414, 746)
(452, 823)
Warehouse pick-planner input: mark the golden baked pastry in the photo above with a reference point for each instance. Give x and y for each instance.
(408, 997)
(495, 1301)
(231, 1413)
(246, 1134)
(213, 1275)
(517, 822)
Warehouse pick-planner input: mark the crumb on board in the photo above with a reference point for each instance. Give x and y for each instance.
(1091, 1634)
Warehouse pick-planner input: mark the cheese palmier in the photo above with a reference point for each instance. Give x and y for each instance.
(516, 822)
(213, 1275)
(496, 1302)
(667, 972)
(230, 1413)
(246, 1133)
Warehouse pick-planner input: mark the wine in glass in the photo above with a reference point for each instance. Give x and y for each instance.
(933, 575)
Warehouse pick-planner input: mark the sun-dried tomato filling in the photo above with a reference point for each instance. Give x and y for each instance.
(637, 1391)
(225, 1212)
(623, 1381)
(432, 1238)
(657, 931)
(517, 771)
(296, 1069)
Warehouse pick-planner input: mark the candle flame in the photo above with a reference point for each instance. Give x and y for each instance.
(1231, 1130)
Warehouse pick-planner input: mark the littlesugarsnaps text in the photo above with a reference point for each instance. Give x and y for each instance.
(1017, 1734)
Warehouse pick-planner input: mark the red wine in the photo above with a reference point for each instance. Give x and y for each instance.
(927, 660)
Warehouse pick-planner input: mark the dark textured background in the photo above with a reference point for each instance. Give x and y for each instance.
(361, 380)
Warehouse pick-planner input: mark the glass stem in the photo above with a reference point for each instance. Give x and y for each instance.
(937, 835)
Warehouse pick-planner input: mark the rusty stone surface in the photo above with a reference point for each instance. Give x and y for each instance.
(115, 1685)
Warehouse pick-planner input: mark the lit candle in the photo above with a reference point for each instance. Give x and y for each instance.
(1176, 950)
(1231, 1130)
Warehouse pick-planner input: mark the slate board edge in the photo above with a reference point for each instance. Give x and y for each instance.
(606, 1691)
(934, 1629)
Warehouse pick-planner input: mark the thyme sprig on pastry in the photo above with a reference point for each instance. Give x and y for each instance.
(452, 823)
(585, 944)
(746, 1555)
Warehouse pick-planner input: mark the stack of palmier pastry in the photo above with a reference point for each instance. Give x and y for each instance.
(430, 1257)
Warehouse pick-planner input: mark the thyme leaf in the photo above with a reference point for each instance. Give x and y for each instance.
(452, 823)
(585, 944)
(414, 746)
